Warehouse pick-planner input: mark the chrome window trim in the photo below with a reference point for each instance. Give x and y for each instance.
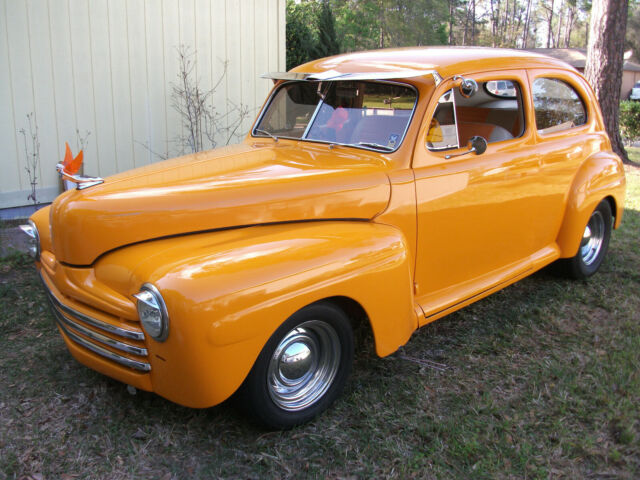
(127, 362)
(132, 334)
(273, 93)
(312, 119)
(455, 120)
(98, 337)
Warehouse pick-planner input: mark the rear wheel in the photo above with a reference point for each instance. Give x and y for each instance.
(302, 369)
(594, 244)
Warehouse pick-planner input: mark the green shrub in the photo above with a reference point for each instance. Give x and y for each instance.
(630, 121)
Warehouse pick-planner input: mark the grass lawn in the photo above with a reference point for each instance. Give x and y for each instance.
(542, 380)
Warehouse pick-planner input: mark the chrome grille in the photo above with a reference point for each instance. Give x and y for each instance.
(87, 331)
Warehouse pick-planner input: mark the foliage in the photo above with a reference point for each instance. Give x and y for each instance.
(630, 121)
(301, 42)
(328, 43)
(32, 155)
(371, 24)
(368, 24)
(633, 28)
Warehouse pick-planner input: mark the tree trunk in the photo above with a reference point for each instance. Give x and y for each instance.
(504, 28)
(560, 18)
(466, 26)
(473, 23)
(451, 11)
(569, 29)
(550, 24)
(526, 25)
(604, 62)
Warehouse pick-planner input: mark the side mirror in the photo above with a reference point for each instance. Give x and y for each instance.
(468, 86)
(476, 144)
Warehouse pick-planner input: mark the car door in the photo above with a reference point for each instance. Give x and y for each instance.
(474, 211)
(566, 134)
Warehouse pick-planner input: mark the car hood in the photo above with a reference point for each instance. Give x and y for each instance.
(240, 185)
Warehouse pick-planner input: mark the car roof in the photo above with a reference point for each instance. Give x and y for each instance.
(447, 61)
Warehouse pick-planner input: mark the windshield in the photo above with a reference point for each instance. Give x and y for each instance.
(372, 115)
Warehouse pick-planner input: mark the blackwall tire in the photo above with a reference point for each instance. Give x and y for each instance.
(594, 244)
(302, 369)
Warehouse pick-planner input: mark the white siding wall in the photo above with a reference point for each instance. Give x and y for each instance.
(105, 66)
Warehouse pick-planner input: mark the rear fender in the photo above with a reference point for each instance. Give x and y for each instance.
(600, 176)
(227, 292)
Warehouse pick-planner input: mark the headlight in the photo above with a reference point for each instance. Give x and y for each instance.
(153, 312)
(34, 239)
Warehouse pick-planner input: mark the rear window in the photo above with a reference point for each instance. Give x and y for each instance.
(557, 105)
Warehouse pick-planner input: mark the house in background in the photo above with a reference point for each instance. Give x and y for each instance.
(577, 58)
(106, 67)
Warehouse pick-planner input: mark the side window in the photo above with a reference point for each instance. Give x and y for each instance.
(443, 133)
(557, 105)
(494, 112)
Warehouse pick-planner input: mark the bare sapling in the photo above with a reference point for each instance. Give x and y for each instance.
(203, 125)
(32, 155)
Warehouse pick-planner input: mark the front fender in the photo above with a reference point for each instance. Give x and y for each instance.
(228, 291)
(599, 177)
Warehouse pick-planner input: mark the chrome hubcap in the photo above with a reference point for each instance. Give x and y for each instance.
(592, 238)
(304, 365)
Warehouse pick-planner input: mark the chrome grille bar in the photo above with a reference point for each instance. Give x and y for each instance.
(141, 366)
(98, 337)
(123, 332)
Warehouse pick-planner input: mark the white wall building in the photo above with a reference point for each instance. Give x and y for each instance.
(106, 67)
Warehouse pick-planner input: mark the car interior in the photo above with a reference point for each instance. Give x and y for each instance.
(494, 112)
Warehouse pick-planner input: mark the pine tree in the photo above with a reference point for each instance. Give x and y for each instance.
(328, 43)
(300, 42)
(604, 62)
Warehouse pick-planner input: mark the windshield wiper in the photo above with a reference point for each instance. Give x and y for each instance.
(376, 145)
(258, 130)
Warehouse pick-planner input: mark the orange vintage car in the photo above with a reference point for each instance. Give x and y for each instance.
(388, 187)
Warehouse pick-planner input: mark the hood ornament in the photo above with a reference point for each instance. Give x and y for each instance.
(68, 171)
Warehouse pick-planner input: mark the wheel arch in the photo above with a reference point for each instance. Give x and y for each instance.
(600, 177)
(614, 209)
(364, 333)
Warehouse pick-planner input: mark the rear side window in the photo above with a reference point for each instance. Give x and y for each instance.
(557, 105)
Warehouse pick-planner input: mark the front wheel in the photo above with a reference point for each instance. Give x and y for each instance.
(594, 243)
(302, 368)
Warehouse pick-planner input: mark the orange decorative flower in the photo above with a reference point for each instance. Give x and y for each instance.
(71, 165)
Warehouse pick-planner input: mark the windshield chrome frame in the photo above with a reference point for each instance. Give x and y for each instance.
(362, 147)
